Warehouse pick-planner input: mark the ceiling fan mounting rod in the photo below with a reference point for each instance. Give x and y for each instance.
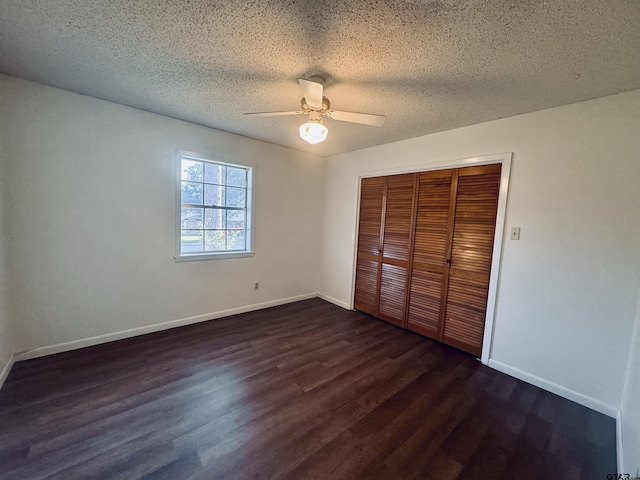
(317, 79)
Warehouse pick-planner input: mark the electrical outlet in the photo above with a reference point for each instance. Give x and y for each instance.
(256, 286)
(515, 233)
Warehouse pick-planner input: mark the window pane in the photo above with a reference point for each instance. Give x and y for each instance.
(192, 193)
(191, 218)
(235, 240)
(214, 195)
(215, 218)
(236, 177)
(235, 219)
(236, 197)
(191, 170)
(191, 241)
(212, 206)
(214, 240)
(215, 173)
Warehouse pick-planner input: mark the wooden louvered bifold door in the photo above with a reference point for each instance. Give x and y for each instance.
(396, 247)
(474, 225)
(425, 246)
(430, 251)
(369, 254)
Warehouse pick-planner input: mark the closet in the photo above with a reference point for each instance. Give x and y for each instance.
(425, 242)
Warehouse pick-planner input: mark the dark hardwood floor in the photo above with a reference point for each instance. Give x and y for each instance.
(302, 391)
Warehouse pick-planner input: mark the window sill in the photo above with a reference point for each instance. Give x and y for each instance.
(212, 256)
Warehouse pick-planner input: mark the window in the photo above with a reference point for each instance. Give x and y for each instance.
(214, 208)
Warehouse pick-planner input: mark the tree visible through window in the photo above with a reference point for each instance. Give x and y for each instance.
(214, 206)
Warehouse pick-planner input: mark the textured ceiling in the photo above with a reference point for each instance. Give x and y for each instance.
(428, 65)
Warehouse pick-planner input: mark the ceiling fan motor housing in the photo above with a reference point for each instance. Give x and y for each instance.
(306, 108)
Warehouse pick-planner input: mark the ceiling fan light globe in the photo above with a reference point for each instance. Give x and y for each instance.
(313, 132)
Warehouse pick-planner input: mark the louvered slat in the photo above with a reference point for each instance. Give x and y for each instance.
(366, 286)
(371, 196)
(397, 223)
(370, 221)
(471, 252)
(465, 314)
(475, 218)
(434, 197)
(429, 252)
(392, 293)
(424, 302)
(396, 241)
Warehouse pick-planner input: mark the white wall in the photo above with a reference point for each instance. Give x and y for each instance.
(568, 289)
(91, 219)
(6, 349)
(630, 412)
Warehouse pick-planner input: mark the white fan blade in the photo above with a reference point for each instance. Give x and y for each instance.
(312, 92)
(273, 114)
(364, 118)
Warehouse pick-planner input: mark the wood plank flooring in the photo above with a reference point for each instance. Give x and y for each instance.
(301, 391)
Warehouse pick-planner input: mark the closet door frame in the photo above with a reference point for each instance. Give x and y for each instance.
(505, 160)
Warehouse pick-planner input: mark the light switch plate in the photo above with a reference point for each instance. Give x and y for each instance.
(515, 233)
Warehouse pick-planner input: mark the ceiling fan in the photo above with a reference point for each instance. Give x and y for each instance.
(316, 106)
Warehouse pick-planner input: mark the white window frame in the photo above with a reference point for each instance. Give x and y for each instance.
(187, 257)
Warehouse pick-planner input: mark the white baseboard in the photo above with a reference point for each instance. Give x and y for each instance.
(134, 332)
(5, 371)
(572, 395)
(335, 301)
